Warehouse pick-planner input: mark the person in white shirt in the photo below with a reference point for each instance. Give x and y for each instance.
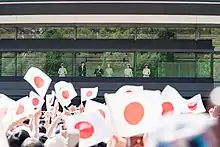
(146, 71)
(62, 71)
(108, 71)
(128, 71)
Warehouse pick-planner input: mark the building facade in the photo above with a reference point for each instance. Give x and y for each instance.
(179, 42)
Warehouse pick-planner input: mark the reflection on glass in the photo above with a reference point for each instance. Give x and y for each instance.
(111, 64)
(216, 67)
(54, 61)
(8, 64)
(116, 61)
(203, 65)
(25, 60)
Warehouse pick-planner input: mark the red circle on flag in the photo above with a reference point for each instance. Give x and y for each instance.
(20, 109)
(35, 101)
(134, 113)
(102, 112)
(128, 91)
(65, 94)
(192, 106)
(89, 93)
(38, 81)
(167, 108)
(85, 128)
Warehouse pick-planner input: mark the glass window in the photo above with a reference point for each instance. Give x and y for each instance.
(25, 60)
(216, 67)
(112, 64)
(176, 65)
(60, 64)
(203, 65)
(8, 64)
(151, 60)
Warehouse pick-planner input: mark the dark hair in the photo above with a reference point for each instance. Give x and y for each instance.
(16, 138)
(32, 142)
(42, 129)
(27, 121)
(43, 137)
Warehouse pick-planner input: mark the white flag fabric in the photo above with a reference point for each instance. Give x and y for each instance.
(134, 114)
(22, 108)
(103, 110)
(172, 101)
(129, 89)
(38, 80)
(214, 96)
(65, 92)
(180, 128)
(194, 105)
(5, 103)
(37, 101)
(3, 140)
(49, 101)
(91, 126)
(88, 93)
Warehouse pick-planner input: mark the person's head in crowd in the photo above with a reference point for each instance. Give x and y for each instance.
(57, 141)
(82, 63)
(17, 137)
(62, 65)
(42, 129)
(32, 142)
(26, 128)
(146, 65)
(128, 66)
(109, 65)
(43, 137)
(99, 66)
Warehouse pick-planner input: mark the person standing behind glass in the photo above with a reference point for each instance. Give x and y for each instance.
(99, 71)
(108, 71)
(146, 71)
(62, 71)
(82, 70)
(128, 71)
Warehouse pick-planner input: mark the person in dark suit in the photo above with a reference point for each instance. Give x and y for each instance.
(99, 71)
(82, 70)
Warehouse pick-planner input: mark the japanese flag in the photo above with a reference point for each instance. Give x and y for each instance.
(88, 93)
(81, 108)
(194, 105)
(49, 100)
(172, 101)
(3, 140)
(155, 93)
(37, 101)
(102, 109)
(22, 108)
(5, 103)
(38, 80)
(134, 114)
(65, 92)
(72, 109)
(129, 89)
(91, 126)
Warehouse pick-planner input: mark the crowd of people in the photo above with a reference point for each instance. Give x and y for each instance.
(50, 128)
(100, 72)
